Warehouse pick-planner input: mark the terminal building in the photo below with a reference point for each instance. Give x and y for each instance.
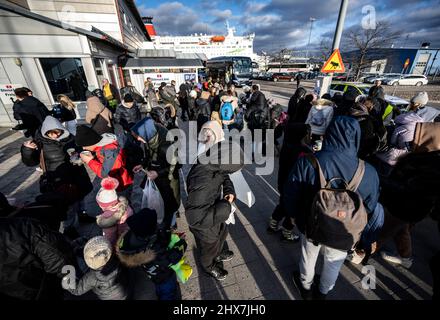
(422, 60)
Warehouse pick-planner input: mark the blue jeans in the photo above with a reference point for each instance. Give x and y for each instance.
(167, 290)
(373, 227)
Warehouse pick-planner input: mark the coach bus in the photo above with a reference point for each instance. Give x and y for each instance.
(238, 70)
(276, 67)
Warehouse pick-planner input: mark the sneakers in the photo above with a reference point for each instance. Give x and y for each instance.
(273, 226)
(38, 169)
(226, 255)
(305, 294)
(289, 236)
(218, 273)
(404, 262)
(355, 257)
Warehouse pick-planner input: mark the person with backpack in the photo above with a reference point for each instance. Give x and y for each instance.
(229, 104)
(105, 157)
(332, 193)
(98, 116)
(131, 90)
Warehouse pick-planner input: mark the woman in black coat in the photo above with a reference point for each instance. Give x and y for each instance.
(294, 101)
(210, 197)
(61, 178)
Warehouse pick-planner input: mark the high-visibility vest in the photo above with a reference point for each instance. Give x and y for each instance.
(388, 110)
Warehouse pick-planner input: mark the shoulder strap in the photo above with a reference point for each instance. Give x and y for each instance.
(357, 178)
(42, 161)
(317, 166)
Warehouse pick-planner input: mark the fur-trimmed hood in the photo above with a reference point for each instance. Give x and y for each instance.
(133, 251)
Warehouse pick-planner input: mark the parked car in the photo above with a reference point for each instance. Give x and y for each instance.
(283, 76)
(407, 80)
(363, 89)
(383, 77)
(264, 76)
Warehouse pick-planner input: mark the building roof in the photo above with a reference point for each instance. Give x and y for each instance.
(169, 53)
(134, 10)
(162, 63)
(95, 34)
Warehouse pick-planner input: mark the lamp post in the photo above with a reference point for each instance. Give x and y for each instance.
(310, 35)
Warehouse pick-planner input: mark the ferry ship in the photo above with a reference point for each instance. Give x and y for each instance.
(211, 45)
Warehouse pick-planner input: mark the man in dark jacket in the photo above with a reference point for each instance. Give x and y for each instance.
(29, 110)
(293, 103)
(207, 211)
(164, 171)
(377, 90)
(296, 143)
(127, 114)
(338, 158)
(31, 260)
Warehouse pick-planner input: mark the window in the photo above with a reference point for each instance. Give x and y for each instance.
(125, 17)
(65, 76)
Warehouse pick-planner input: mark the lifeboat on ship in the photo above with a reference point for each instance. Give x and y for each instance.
(217, 39)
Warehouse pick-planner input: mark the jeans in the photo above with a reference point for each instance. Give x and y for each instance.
(167, 290)
(333, 260)
(373, 228)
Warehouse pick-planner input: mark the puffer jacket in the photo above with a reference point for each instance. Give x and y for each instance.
(205, 210)
(57, 161)
(338, 158)
(400, 140)
(127, 117)
(108, 283)
(31, 259)
(31, 112)
(202, 111)
(110, 160)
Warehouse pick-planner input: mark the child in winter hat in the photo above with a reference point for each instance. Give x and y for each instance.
(105, 277)
(115, 209)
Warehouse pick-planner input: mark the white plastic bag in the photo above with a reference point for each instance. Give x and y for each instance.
(152, 199)
(231, 218)
(242, 190)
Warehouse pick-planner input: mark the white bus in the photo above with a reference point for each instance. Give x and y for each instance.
(276, 67)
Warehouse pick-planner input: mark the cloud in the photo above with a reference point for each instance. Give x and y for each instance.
(220, 15)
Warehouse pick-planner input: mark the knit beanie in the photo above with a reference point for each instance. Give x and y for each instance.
(420, 99)
(86, 136)
(144, 223)
(97, 252)
(107, 196)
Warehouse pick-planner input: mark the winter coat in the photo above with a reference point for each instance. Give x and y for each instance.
(257, 113)
(291, 150)
(114, 91)
(202, 112)
(338, 158)
(426, 137)
(302, 110)
(401, 139)
(412, 189)
(31, 112)
(376, 92)
(205, 209)
(150, 94)
(59, 170)
(373, 133)
(108, 283)
(99, 116)
(110, 160)
(133, 92)
(127, 117)
(319, 118)
(31, 259)
(168, 94)
(293, 103)
(429, 114)
(113, 220)
(151, 254)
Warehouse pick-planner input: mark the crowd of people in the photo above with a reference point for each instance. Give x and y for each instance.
(354, 172)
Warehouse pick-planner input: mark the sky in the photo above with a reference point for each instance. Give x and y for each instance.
(281, 24)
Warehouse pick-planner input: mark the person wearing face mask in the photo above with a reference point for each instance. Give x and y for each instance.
(210, 197)
(164, 171)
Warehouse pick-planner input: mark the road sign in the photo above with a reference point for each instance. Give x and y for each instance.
(334, 63)
(406, 64)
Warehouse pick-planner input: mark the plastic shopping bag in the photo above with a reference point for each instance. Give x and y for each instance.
(152, 199)
(242, 189)
(231, 218)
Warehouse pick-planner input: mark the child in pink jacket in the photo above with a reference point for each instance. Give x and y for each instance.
(115, 209)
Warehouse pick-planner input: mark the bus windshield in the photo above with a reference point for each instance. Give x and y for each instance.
(242, 67)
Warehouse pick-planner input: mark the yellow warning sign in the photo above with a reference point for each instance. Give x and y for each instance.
(334, 63)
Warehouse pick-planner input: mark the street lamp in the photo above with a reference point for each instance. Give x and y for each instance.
(310, 35)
